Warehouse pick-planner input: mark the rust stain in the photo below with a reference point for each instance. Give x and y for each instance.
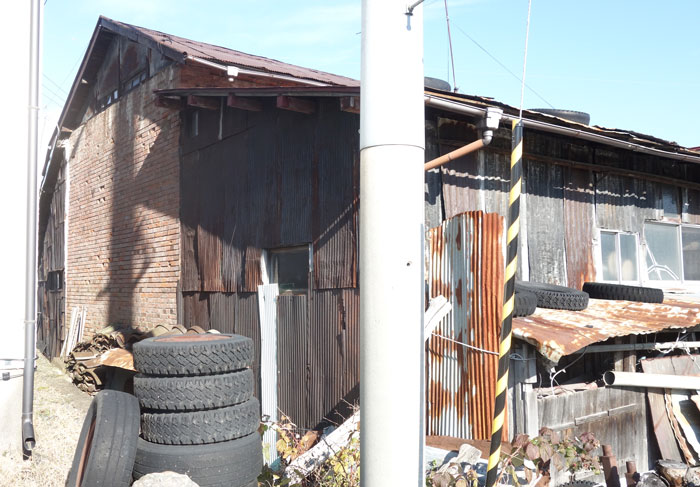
(458, 291)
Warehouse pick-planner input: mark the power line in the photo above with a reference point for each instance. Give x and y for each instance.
(502, 65)
(55, 84)
(58, 95)
(527, 36)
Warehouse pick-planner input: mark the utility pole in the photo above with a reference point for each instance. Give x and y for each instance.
(392, 289)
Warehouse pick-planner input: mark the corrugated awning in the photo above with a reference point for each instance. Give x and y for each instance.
(556, 333)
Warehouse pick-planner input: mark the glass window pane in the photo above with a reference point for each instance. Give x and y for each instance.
(609, 256)
(691, 253)
(628, 257)
(290, 269)
(663, 256)
(670, 197)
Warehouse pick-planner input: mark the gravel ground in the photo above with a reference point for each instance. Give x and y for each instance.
(59, 410)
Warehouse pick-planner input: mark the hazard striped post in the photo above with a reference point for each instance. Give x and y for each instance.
(499, 413)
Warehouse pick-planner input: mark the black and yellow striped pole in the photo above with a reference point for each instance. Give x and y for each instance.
(499, 413)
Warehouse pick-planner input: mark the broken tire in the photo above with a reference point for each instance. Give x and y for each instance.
(201, 427)
(107, 443)
(525, 303)
(233, 463)
(193, 354)
(554, 297)
(194, 393)
(601, 290)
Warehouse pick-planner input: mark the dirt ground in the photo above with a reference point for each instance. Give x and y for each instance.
(59, 410)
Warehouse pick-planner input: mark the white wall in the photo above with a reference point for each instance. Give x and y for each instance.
(14, 84)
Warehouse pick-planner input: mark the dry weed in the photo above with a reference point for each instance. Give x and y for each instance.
(59, 410)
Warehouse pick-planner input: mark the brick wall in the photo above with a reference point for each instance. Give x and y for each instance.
(123, 212)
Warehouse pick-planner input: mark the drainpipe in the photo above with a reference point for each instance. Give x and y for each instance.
(487, 125)
(28, 440)
(392, 154)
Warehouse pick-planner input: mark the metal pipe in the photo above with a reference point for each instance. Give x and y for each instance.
(392, 154)
(487, 125)
(457, 107)
(455, 154)
(661, 381)
(28, 441)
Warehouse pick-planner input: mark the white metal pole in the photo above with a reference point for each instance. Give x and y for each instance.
(392, 145)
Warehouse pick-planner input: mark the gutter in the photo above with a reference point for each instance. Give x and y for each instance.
(456, 107)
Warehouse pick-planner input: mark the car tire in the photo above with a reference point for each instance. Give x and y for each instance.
(193, 354)
(106, 446)
(554, 297)
(201, 427)
(524, 304)
(235, 463)
(194, 393)
(601, 290)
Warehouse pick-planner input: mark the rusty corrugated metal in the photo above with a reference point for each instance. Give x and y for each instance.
(466, 266)
(334, 353)
(556, 333)
(579, 226)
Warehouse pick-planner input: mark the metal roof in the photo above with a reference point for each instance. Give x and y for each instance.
(210, 52)
(556, 333)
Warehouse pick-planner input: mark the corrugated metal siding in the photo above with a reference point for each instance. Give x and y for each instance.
(292, 355)
(334, 353)
(276, 179)
(545, 222)
(623, 203)
(335, 205)
(579, 226)
(466, 266)
(460, 178)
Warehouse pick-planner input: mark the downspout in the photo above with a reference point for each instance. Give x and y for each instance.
(486, 126)
(28, 441)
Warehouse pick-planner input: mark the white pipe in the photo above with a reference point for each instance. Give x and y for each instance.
(28, 441)
(661, 381)
(392, 153)
(457, 107)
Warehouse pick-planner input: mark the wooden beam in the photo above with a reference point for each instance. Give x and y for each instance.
(350, 104)
(205, 102)
(244, 103)
(171, 103)
(294, 104)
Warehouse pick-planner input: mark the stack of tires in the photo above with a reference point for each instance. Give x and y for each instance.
(198, 413)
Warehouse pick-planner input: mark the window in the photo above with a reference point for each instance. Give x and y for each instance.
(193, 123)
(619, 256)
(289, 268)
(673, 252)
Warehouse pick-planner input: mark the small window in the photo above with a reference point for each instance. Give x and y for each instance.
(193, 123)
(663, 252)
(289, 268)
(691, 253)
(619, 256)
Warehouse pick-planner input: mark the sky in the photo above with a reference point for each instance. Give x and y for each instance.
(632, 65)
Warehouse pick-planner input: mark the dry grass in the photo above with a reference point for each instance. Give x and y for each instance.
(59, 410)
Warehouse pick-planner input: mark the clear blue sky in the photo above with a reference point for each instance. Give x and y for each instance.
(631, 64)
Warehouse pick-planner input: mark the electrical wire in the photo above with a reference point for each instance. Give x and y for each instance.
(65, 93)
(502, 65)
(465, 345)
